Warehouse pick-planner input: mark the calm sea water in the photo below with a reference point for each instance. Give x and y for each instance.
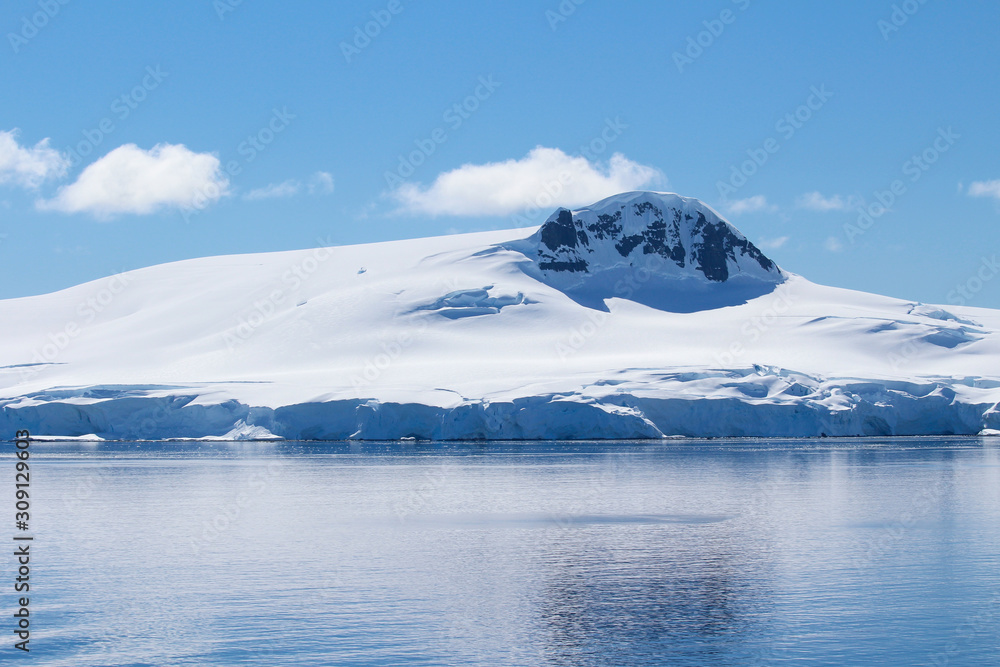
(832, 552)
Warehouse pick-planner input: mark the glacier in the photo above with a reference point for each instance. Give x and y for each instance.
(645, 315)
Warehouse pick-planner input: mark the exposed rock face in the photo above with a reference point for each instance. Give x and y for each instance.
(670, 235)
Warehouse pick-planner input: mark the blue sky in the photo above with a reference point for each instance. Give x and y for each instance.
(138, 133)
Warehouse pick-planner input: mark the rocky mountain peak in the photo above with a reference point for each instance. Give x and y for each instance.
(669, 235)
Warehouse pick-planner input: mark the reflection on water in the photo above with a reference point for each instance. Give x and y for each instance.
(691, 603)
(692, 553)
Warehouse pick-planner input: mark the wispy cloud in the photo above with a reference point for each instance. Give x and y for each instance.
(749, 205)
(289, 188)
(132, 180)
(29, 167)
(544, 178)
(815, 201)
(773, 244)
(985, 189)
(833, 244)
(321, 183)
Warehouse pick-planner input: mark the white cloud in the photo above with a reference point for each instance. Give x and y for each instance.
(132, 180)
(321, 183)
(289, 188)
(985, 189)
(815, 201)
(29, 167)
(773, 244)
(833, 244)
(544, 178)
(749, 205)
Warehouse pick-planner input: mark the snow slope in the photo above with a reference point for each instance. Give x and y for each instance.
(644, 315)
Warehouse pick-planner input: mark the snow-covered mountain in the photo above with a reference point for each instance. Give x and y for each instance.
(679, 254)
(683, 237)
(642, 316)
